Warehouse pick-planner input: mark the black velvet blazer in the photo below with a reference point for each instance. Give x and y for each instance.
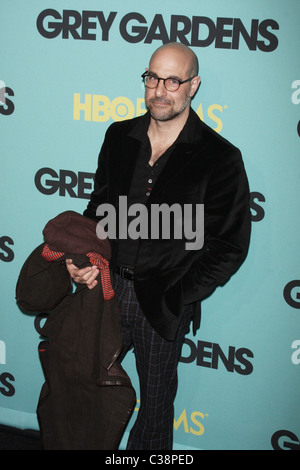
(205, 169)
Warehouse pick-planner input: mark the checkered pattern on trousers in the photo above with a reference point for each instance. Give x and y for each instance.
(156, 362)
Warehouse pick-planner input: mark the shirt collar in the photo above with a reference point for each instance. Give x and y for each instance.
(187, 135)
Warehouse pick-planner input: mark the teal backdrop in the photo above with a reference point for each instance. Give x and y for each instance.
(71, 68)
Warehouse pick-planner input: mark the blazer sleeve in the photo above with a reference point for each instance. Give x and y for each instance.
(227, 227)
(100, 191)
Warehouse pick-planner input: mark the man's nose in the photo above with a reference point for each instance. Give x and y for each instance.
(160, 89)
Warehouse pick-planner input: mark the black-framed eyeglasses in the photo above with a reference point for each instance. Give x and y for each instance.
(171, 84)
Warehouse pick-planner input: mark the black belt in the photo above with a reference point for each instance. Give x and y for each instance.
(125, 273)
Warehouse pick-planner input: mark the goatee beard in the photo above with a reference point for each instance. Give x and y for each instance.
(167, 114)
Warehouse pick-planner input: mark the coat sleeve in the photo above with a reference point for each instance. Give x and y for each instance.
(227, 227)
(42, 284)
(100, 191)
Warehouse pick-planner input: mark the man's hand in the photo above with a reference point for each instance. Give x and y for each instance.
(83, 276)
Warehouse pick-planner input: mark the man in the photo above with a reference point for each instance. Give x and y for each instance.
(168, 156)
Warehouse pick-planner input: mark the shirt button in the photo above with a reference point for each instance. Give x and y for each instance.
(150, 180)
(148, 193)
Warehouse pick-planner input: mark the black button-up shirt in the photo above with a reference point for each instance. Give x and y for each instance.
(143, 180)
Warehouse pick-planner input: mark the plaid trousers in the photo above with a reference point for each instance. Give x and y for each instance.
(156, 362)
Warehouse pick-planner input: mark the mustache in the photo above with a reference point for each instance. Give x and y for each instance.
(159, 100)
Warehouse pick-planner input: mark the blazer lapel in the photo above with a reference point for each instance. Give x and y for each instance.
(177, 161)
(130, 147)
(130, 151)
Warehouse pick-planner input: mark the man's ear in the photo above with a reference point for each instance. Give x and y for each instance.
(195, 83)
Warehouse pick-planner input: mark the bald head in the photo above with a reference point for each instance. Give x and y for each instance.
(183, 51)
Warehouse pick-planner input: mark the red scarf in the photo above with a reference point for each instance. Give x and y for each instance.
(97, 260)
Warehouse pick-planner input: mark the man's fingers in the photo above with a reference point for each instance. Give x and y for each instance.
(84, 275)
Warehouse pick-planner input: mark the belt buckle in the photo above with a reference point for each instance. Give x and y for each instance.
(125, 273)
